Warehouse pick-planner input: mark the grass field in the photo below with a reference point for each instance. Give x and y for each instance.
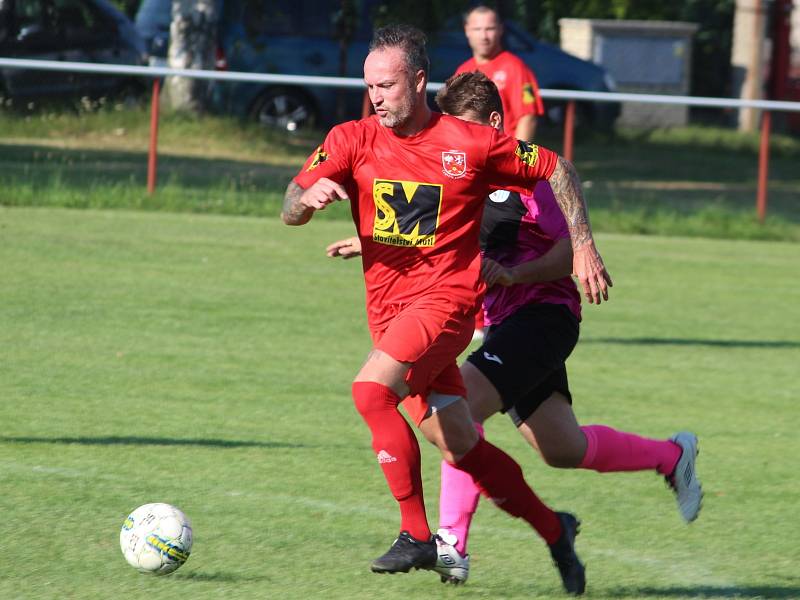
(206, 361)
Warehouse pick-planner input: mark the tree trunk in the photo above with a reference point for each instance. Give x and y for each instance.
(192, 45)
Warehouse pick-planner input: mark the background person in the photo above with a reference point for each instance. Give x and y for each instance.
(516, 83)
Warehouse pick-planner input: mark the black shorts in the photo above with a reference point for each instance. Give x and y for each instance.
(524, 357)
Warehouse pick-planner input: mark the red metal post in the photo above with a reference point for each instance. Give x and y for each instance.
(569, 129)
(153, 155)
(763, 165)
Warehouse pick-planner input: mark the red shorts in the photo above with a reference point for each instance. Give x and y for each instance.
(430, 335)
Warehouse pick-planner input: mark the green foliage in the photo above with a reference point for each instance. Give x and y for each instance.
(206, 361)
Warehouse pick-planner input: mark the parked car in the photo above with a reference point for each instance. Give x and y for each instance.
(298, 37)
(68, 30)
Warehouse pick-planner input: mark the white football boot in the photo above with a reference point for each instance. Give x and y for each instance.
(688, 491)
(450, 565)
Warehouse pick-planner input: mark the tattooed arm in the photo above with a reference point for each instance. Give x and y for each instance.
(587, 264)
(299, 204)
(294, 213)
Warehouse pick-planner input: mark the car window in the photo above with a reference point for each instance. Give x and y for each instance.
(78, 20)
(34, 27)
(32, 13)
(70, 14)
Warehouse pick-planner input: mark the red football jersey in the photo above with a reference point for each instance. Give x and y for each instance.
(417, 202)
(519, 90)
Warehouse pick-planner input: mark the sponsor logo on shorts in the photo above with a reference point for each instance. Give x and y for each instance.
(454, 163)
(493, 358)
(385, 457)
(406, 212)
(499, 196)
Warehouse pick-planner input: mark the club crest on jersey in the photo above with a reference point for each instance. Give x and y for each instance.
(454, 163)
(527, 153)
(320, 156)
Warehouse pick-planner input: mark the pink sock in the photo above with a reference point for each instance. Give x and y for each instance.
(458, 500)
(609, 450)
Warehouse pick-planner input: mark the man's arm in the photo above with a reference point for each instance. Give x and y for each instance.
(587, 264)
(299, 204)
(553, 264)
(294, 213)
(526, 128)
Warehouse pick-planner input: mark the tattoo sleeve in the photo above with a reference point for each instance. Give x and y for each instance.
(569, 195)
(293, 212)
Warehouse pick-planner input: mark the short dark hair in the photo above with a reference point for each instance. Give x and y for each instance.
(469, 92)
(482, 8)
(409, 39)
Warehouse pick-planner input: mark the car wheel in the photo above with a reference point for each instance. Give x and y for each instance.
(286, 109)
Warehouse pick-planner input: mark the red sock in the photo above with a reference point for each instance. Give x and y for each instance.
(398, 453)
(500, 479)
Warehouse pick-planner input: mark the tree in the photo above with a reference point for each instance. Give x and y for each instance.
(192, 45)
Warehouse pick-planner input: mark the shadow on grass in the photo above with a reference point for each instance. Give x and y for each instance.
(709, 591)
(648, 341)
(147, 441)
(73, 167)
(219, 577)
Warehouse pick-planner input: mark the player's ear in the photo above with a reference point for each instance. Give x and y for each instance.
(420, 80)
(496, 120)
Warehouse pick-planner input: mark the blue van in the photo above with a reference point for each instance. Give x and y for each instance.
(299, 37)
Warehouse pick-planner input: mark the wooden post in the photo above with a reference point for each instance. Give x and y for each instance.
(153, 154)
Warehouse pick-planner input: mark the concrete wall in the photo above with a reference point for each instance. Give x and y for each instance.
(652, 57)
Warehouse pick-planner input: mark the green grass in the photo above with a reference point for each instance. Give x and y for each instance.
(694, 181)
(206, 361)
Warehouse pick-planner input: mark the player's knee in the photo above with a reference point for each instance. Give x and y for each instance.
(370, 397)
(456, 446)
(562, 457)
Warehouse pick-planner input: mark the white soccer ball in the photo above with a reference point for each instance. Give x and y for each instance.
(156, 538)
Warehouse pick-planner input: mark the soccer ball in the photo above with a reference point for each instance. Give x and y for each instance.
(156, 538)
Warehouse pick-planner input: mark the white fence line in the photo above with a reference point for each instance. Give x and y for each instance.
(354, 82)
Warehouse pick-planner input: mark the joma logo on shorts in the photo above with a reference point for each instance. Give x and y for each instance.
(406, 212)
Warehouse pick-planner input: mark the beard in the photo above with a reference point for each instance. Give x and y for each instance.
(401, 114)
